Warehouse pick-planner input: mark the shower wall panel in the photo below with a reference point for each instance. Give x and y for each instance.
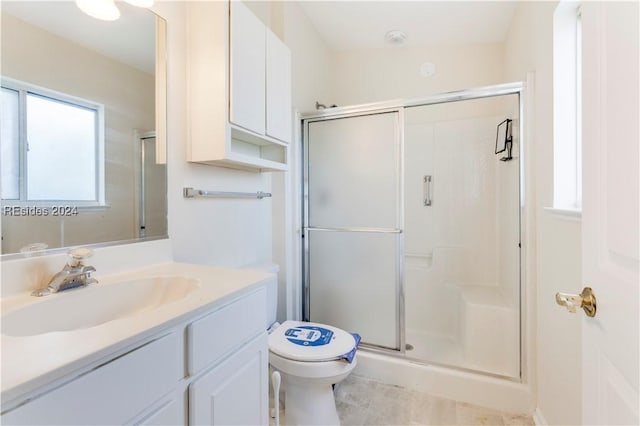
(461, 252)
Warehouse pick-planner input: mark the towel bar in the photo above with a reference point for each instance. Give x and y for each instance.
(199, 193)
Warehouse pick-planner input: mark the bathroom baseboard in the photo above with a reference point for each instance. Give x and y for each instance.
(486, 391)
(538, 418)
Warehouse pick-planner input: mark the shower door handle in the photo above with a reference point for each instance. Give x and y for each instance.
(427, 190)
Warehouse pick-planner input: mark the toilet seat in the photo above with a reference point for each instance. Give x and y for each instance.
(310, 342)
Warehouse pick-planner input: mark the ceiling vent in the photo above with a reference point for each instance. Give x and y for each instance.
(395, 37)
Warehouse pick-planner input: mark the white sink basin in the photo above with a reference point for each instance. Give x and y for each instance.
(96, 304)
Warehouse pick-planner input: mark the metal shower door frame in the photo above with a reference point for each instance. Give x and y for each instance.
(399, 169)
(515, 88)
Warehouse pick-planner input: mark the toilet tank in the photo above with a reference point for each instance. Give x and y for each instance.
(272, 289)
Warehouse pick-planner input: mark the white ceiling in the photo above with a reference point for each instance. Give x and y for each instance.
(130, 39)
(343, 24)
(363, 24)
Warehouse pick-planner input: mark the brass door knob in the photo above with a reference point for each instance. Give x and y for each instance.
(585, 300)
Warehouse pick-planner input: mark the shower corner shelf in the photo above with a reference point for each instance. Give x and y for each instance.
(241, 118)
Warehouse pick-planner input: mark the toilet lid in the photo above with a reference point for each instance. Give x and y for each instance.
(309, 341)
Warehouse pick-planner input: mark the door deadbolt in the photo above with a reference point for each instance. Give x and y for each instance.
(585, 300)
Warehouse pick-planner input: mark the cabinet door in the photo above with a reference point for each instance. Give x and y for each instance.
(278, 89)
(247, 69)
(236, 391)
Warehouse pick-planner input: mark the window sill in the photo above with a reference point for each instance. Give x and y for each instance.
(569, 214)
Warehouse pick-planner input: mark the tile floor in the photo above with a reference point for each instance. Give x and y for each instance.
(365, 402)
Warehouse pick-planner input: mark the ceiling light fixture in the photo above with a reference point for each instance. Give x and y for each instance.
(395, 37)
(105, 10)
(140, 3)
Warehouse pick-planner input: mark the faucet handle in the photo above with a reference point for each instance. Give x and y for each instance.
(78, 255)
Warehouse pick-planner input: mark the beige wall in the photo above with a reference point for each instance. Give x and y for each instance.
(370, 75)
(312, 60)
(529, 47)
(224, 232)
(46, 60)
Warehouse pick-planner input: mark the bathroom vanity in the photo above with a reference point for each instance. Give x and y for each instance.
(185, 344)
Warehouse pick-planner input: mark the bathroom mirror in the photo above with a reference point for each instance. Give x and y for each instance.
(83, 137)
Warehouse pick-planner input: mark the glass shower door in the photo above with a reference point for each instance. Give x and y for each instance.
(353, 225)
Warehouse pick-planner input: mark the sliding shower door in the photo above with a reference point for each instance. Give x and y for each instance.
(412, 227)
(353, 225)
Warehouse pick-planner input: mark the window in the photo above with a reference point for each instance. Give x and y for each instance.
(567, 102)
(52, 147)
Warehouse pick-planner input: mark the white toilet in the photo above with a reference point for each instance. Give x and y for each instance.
(308, 357)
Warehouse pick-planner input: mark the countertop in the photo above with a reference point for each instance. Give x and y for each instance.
(30, 363)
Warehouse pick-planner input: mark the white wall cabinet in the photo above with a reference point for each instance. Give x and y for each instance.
(146, 385)
(239, 89)
(278, 90)
(247, 69)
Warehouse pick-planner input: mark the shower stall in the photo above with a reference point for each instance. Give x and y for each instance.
(412, 227)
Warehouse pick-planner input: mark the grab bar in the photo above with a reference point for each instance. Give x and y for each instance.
(427, 190)
(199, 193)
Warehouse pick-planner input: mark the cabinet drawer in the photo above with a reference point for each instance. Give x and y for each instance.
(212, 337)
(113, 393)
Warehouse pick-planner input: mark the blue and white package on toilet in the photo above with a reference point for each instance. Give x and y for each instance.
(309, 336)
(308, 341)
(318, 336)
(349, 356)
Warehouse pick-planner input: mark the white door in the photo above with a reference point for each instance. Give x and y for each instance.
(610, 211)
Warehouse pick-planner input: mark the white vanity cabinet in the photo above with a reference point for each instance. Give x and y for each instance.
(169, 411)
(211, 368)
(114, 392)
(239, 89)
(232, 388)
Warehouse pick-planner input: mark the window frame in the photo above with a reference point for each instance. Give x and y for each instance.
(567, 108)
(24, 89)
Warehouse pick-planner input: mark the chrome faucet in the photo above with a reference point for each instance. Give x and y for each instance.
(74, 274)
